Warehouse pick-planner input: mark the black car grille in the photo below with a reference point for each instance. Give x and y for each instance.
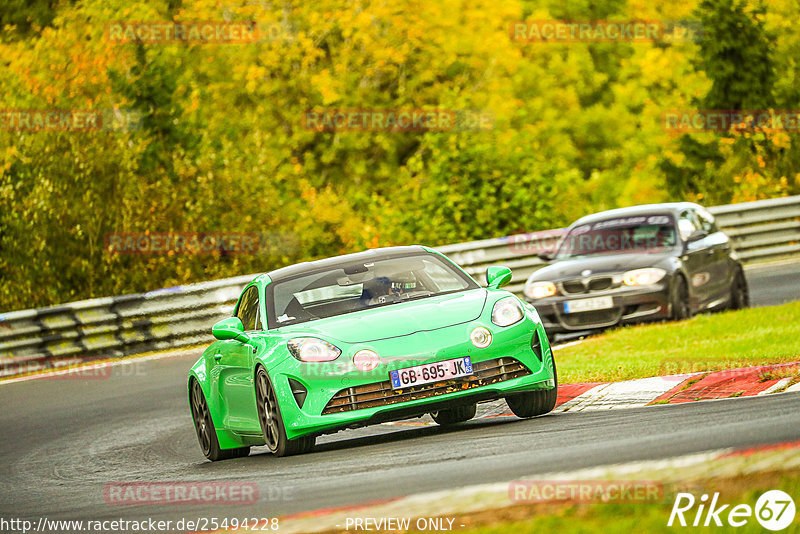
(382, 393)
(591, 318)
(573, 286)
(600, 283)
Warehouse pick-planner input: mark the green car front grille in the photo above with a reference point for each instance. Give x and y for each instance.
(382, 394)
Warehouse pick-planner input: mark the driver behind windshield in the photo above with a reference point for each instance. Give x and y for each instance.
(383, 289)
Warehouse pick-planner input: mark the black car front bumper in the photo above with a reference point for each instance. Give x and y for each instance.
(630, 305)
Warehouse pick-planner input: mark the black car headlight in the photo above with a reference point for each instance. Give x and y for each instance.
(643, 277)
(539, 290)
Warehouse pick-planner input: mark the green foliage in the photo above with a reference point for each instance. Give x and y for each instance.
(26, 15)
(736, 53)
(222, 146)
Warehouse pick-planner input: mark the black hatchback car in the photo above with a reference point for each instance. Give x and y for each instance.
(643, 263)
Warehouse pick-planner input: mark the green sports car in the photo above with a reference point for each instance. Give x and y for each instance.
(355, 340)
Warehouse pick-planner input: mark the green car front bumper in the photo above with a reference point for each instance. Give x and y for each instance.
(319, 398)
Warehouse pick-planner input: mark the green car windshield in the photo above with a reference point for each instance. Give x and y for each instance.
(355, 286)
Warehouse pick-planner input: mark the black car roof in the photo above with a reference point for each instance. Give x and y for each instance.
(328, 263)
(673, 208)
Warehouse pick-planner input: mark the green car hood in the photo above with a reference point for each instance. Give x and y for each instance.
(394, 320)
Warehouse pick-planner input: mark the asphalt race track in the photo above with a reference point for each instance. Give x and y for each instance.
(65, 439)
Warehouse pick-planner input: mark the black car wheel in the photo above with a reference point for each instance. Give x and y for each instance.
(455, 415)
(204, 426)
(679, 299)
(533, 403)
(740, 296)
(269, 415)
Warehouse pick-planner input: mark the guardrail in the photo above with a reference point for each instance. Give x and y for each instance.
(111, 327)
(764, 229)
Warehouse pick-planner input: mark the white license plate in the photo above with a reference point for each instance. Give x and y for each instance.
(430, 372)
(597, 303)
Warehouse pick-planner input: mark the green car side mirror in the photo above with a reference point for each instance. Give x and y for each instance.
(230, 328)
(497, 276)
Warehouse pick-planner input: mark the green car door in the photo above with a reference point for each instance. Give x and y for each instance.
(233, 364)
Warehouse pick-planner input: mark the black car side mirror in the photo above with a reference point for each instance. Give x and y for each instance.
(546, 256)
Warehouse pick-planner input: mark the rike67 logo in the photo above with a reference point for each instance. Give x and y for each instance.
(774, 510)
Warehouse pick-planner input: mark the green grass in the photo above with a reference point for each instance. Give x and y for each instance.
(710, 342)
(624, 518)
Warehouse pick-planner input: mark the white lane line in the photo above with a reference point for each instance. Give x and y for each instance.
(780, 384)
(793, 389)
(628, 394)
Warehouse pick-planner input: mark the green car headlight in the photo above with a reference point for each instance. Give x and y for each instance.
(507, 311)
(643, 277)
(311, 349)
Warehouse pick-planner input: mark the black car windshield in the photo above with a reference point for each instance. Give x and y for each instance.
(622, 235)
(356, 286)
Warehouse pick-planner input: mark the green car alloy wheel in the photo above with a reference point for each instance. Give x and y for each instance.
(361, 339)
